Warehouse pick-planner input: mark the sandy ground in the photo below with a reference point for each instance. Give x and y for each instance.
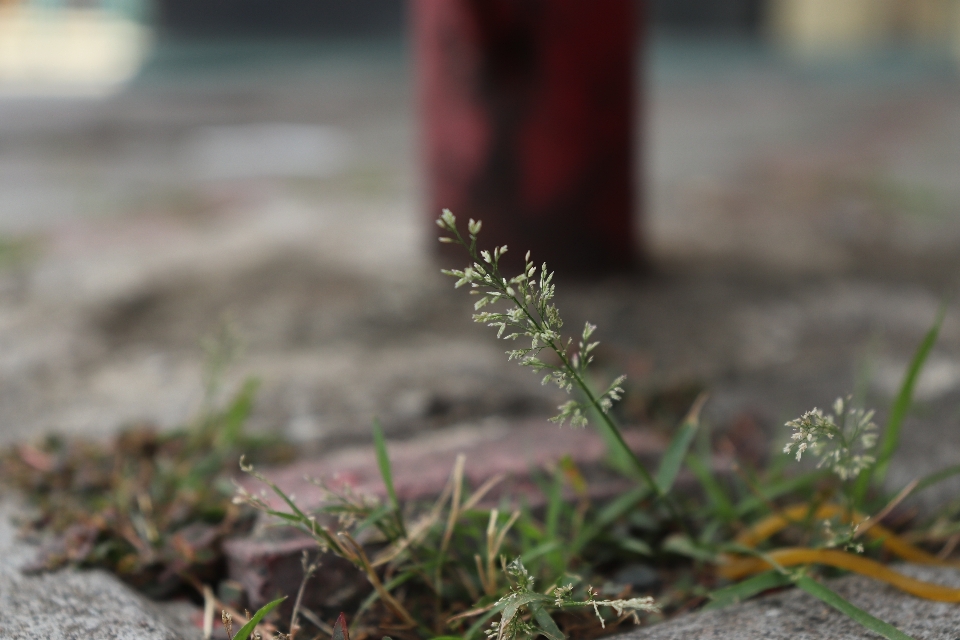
(804, 224)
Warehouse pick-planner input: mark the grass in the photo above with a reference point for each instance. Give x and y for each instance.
(445, 573)
(151, 506)
(460, 567)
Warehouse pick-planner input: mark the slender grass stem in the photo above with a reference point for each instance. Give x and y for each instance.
(493, 272)
(572, 372)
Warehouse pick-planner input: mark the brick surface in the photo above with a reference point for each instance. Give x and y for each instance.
(270, 566)
(421, 466)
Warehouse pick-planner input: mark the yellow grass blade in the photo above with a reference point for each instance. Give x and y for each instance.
(842, 560)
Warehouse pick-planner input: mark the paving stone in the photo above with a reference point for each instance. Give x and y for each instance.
(73, 605)
(795, 615)
(422, 465)
(269, 566)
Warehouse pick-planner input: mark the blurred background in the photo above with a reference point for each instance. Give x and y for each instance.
(785, 217)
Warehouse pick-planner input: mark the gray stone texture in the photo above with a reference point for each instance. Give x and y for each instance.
(74, 605)
(795, 615)
(422, 466)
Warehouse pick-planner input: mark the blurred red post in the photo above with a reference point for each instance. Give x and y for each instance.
(527, 112)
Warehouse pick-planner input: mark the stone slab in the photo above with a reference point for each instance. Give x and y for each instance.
(794, 615)
(422, 466)
(269, 566)
(71, 604)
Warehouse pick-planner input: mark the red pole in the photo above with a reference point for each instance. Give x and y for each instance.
(527, 116)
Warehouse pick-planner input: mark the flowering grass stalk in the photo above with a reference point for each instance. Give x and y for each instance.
(844, 441)
(522, 598)
(532, 315)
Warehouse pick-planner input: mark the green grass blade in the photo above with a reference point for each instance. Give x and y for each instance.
(619, 454)
(548, 627)
(898, 411)
(300, 515)
(389, 586)
(554, 494)
(375, 518)
(383, 461)
(935, 477)
(774, 490)
(679, 446)
(477, 627)
(514, 602)
(636, 546)
(541, 550)
(608, 514)
(855, 613)
(236, 415)
(747, 589)
(684, 546)
(248, 628)
(716, 493)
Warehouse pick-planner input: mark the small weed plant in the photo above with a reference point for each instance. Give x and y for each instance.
(454, 570)
(152, 506)
(461, 568)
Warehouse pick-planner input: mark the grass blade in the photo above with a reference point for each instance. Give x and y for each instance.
(899, 409)
(747, 589)
(854, 612)
(340, 631)
(935, 477)
(477, 627)
(712, 487)
(679, 445)
(237, 413)
(541, 550)
(681, 545)
(383, 461)
(389, 586)
(771, 490)
(608, 514)
(548, 627)
(248, 628)
(636, 546)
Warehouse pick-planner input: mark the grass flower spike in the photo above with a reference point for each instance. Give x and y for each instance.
(530, 315)
(843, 440)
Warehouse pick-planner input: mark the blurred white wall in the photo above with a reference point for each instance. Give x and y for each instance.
(830, 27)
(55, 48)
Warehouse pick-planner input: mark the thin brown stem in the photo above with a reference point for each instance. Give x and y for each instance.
(883, 513)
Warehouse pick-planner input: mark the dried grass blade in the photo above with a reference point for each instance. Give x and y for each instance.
(893, 543)
(392, 603)
(873, 520)
(209, 606)
(416, 532)
(484, 489)
(842, 560)
(454, 503)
